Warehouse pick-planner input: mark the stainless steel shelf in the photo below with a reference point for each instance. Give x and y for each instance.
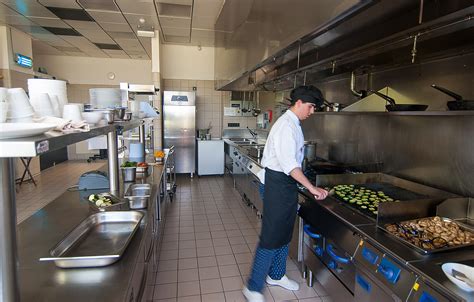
(37, 145)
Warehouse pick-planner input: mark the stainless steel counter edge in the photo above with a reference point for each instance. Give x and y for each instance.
(390, 246)
(41, 281)
(243, 151)
(53, 140)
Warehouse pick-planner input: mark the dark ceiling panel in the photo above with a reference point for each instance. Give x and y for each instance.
(103, 5)
(70, 13)
(62, 31)
(108, 46)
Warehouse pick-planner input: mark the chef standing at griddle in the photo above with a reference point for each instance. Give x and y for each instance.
(282, 158)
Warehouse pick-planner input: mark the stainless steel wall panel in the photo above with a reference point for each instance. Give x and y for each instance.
(432, 150)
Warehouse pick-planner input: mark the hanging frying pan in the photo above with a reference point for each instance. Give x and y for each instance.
(400, 107)
(458, 103)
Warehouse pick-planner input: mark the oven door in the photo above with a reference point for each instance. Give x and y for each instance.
(367, 290)
(332, 285)
(340, 263)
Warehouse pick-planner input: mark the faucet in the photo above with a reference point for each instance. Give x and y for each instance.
(253, 133)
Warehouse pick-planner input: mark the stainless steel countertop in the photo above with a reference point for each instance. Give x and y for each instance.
(245, 152)
(427, 266)
(43, 281)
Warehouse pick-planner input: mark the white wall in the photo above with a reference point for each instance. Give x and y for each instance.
(187, 62)
(13, 41)
(87, 70)
(20, 43)
(4, 48)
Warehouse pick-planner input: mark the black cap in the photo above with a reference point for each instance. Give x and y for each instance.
(308, 94)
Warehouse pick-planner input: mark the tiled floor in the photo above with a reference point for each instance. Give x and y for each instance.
(50, 184)
(208, 244)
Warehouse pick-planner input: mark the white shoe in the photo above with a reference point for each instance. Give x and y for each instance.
(252, 296)
(284, 282)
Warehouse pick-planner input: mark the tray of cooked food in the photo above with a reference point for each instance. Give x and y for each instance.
(99, 240)
(107, 202)
(432, 234)
(366, 198)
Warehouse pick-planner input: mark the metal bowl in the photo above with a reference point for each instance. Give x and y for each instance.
(109, 116)
(119, 113)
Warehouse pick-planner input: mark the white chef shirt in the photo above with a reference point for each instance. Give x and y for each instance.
(284, 149)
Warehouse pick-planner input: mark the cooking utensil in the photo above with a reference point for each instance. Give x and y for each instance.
(309, 150)
(109, 116)
(99, 240)
(458, 103)
(119, 113)
(460, 274)
(138, 196)
(399, 107)
(129, 174)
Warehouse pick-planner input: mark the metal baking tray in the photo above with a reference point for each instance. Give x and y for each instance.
(99, 240)
(431, 251)
(118, 204)
(138, 195)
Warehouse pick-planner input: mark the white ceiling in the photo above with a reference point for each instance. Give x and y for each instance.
(111, 24)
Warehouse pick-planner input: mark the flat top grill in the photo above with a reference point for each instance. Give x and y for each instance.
(390, 190)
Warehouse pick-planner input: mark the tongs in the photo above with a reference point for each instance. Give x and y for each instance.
(437, 242)
(462, 277)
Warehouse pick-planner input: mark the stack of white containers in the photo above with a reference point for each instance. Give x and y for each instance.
(56, 90)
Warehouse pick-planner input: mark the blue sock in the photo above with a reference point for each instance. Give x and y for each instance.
(267, 262)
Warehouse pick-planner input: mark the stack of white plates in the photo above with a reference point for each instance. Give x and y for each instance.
(51, 87)
(105, 97)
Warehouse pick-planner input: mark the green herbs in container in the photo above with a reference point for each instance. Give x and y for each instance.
(129, 171)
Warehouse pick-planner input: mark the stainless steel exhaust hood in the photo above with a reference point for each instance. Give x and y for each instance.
(378, 34)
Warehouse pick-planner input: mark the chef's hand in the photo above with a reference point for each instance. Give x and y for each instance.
(318, 193)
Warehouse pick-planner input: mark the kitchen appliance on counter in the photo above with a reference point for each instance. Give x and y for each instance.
(179, 119)
(210, 157)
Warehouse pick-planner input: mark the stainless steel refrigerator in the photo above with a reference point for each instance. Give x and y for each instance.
(179, 121)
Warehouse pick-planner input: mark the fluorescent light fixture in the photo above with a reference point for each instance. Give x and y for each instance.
(146, 33)
(23, 61)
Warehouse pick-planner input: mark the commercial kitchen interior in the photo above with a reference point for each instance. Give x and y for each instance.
(235, 62)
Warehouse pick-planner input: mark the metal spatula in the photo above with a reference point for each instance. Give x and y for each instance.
(462, 277)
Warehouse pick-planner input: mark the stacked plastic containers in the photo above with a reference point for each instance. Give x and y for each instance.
(56, 90)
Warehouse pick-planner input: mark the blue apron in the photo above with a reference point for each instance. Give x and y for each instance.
(280, 202)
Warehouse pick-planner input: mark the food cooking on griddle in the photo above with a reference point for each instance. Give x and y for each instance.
(361, 197)
(431, 233)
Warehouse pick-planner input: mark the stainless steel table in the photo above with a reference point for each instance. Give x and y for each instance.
(43, 281)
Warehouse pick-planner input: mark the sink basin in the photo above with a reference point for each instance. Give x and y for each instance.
(245, 143)
(255, 150)
(240, 139)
